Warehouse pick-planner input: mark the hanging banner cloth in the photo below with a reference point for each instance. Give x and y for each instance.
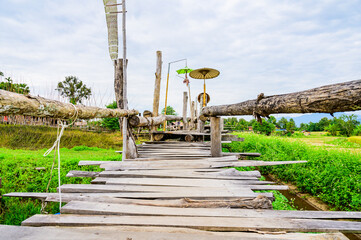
(111, 9)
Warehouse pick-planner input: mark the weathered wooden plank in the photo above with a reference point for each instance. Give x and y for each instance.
(157, 158)
(236, 191)
(178, 174)
(177, 182)
(94, 163)
(260, 202)
(28, 195)
(66, 197)
(83, 207)
(149, 233)
(204, 223)
(245, 154)
(176, 164)
(74, 173)
(235, 172)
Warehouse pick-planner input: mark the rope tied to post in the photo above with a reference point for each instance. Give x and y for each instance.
(56, 146)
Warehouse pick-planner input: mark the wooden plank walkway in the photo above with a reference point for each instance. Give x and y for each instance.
(177, 191)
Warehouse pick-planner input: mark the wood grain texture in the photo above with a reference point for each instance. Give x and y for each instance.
(83, 207)
(333, 98)
(149, 233)
(17, 104)
(137, 121)
(203, 223)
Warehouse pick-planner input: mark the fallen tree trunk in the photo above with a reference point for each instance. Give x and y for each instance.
(333, 98)
(136, 121)
(17, 104)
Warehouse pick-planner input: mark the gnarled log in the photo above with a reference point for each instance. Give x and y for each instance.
(137, 121)
(17, 104)
(333, 98)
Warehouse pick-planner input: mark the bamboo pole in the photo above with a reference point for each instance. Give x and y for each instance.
(18, 104)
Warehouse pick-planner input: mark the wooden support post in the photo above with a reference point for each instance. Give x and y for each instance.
(200, 122)
(158, 74)
(118, 87)
(185, 100)
(191, 126)
(216, 137)
(222, 124)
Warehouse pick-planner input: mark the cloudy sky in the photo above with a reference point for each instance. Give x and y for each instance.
(269, 46)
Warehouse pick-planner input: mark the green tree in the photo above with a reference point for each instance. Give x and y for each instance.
(323, 123)
(357, 131)
(74, 89)
(303, 126)
(282, 123)
(272, 120)
(170, 111)
(332, 129)
(290, 126)
(264, 128)
(313, 127)
(347, 123)
(111, 123)
(242, 124)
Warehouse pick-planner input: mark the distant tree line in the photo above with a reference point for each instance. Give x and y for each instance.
(346, 125)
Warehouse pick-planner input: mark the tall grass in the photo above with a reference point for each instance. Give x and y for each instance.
(37, 137)
(332, 175)
(19, 174)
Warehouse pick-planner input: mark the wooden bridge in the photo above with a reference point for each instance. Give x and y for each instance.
(176, 190)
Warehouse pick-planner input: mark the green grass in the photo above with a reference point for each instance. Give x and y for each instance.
(38, 137)
(333, 175)
(18, 173)
(344, 143)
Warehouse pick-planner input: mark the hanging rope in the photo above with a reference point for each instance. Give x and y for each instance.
(56, 146)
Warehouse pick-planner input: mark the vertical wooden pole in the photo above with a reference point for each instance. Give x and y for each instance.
(185, 102)
(125, 100)
(129, 147)
(216, 143)
(200, 122)
(158, 75)
(193, 113)
(118, 87)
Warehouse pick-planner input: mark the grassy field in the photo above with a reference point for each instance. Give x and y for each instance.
(323, 140)
(331, 174)
(19, 174)
(38, 137)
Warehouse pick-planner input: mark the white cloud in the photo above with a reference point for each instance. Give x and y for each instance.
(259, 46)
